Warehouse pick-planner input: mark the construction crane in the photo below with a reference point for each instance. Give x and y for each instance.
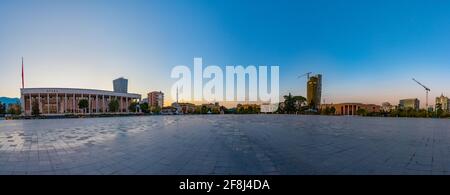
(426, 90)
(306, 74)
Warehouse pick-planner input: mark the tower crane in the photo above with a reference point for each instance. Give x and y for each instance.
(426, 90)
(306, 74)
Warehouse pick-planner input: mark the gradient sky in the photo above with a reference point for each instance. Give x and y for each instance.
(367, 51)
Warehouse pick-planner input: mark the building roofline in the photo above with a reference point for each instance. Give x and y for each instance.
(87, 91)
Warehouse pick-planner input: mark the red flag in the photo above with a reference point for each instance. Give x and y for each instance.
(22, 75)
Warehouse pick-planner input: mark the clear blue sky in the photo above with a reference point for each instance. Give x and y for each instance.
(368, 51)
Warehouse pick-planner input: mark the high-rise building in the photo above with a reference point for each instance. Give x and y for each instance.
(443, 102)
(410, 103)
(314, 91)
(156, 99)
(120, 85)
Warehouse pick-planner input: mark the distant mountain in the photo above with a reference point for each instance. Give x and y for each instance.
(7, 100)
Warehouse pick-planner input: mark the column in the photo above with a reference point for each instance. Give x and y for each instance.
(89, 104)
(103, 104)
(48, 103)
(65, 103)
(73, 103)
(96, 103)
(31, 103)
(120, 104)
(77, 102)
(40, 103)
(57, 104)
(126, 99)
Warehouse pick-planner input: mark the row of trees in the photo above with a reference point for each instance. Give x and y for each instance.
(13, 109)
(144, 107)
(409, 112)
(250, 109)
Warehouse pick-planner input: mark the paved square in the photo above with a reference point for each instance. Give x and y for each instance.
(226, 144)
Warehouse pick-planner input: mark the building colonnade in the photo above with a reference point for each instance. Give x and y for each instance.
(67, 103)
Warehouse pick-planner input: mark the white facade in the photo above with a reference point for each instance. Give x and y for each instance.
(55, 101)
(269, 108)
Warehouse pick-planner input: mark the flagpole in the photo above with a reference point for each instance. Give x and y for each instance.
(23, 83)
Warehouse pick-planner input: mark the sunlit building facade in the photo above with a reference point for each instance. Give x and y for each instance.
(156, 99)
(443, 102)
(59, 101)
(352, 108)
(409, 103)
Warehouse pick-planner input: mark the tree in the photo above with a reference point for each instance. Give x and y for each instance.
(2, 108)
(204, 109)
(241, 110)
(35, 108)
(133, 107)
(198, 110)
(155, 109)
(299, 101)
(289, 104)
(361, 112)
(439, 111)
(215, 110)
(328, 111)
(113, 105)
(332, 110)
(223, 109)
(14, 109)
(83, 105)
(144, 107)
(293, 104)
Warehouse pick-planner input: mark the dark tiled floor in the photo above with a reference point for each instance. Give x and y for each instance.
(225, 144)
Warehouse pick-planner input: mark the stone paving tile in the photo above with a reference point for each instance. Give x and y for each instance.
(225, 144)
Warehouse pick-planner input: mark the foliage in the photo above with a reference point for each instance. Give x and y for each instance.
(144, 107)
(293, 104)
(2, 108)
(410, 112)
(328, 111)
(14, 109)
(247, 109)
(113, 105)
(155, 109)
(83, 104)
(361, 112)
(204, 109)
(35, 108)
(133, 106)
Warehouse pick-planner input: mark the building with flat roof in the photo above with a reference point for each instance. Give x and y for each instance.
(352, 108)
(409, 103)
(55, 101)
(120, 85)
(156, 99)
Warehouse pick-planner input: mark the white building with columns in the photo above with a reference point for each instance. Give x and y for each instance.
(60, 101)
